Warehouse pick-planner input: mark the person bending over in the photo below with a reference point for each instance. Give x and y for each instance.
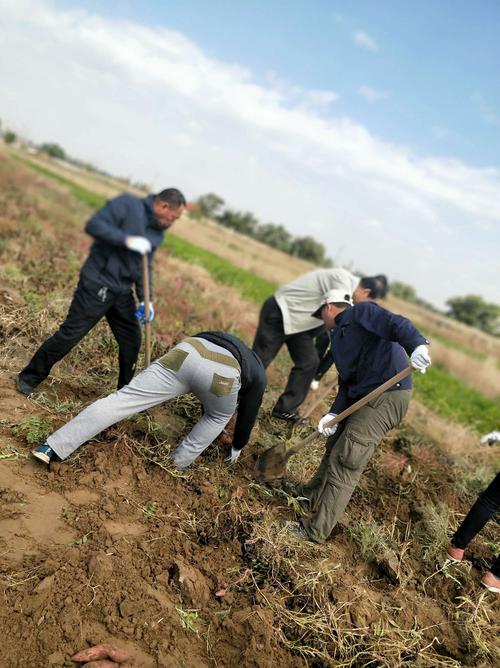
(215, 366)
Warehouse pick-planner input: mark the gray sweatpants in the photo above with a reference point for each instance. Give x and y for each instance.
(181, 370)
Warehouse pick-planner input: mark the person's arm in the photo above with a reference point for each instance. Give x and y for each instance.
(248, 410)
(105, 224)
(388, 326)
(341, 401)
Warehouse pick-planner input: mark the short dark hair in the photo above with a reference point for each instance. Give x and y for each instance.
(172, 196)
(377, 285)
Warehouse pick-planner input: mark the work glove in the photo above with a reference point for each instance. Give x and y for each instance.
(139, 313)
(233, 456)
(314, 385)
(491, 438)
(420, 358)
(327, 431)
(138, 244)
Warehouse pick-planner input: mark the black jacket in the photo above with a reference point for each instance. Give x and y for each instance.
(253, 383)
(369, 346)
(110, 263)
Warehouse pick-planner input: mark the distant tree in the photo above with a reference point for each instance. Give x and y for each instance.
(9, 137)
(475, 311)
(208, 206)
(54, 150)
(244, 223)
(274, 235)
(404, 291)
(309, 249)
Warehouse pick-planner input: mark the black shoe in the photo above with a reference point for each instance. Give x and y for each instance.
(288, 416)
(23, 387)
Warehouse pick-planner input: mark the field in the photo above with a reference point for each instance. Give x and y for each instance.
(194, 569)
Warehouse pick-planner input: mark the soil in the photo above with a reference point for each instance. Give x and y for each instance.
(114, 546)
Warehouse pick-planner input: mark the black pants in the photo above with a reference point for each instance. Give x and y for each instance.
(322, 344)
(90, 303)
(268, 340)
(486, 505)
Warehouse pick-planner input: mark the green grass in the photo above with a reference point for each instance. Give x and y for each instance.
(250, 286)
(86, 196)
(447, 395)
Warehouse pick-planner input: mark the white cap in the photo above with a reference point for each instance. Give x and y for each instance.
(336, 296)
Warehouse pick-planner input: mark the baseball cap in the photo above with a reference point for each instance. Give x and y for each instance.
(337, 296)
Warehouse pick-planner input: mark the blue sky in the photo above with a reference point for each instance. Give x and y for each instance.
(373, 126)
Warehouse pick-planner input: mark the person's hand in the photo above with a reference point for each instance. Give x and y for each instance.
(138, 244)
(102, 656)
(139, 313)
(233, 456)
(420, 358)
(323, 429)
(314, 385)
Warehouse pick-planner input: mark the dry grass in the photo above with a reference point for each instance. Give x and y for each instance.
(244, 252)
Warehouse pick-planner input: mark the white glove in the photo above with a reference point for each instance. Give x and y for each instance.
(491, 438)
(138, 244)
(420, 358)
(327, 431)
(314, 385)
(233, 455)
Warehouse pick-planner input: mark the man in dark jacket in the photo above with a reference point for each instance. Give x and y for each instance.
(123, 230)
(369, 345)
(215, 366)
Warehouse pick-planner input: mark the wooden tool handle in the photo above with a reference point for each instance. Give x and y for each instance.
(147, 326)
(352, 409)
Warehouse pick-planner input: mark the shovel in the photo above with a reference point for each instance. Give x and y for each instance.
(271, 464)
(147, 326)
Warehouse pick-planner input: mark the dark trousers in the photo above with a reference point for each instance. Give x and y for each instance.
(90, 303)
(322, 344)
(268, 340)
(486, 505)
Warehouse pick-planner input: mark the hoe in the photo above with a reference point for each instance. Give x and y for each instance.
(271, 464)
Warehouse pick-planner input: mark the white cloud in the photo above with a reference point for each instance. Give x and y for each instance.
(364, 40)
(372, 94)
(150, 104)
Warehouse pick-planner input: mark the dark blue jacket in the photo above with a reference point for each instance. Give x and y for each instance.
(369, 346)
(110, 263)
(253, 383)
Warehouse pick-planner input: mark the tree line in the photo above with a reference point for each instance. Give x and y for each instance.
(307, 248)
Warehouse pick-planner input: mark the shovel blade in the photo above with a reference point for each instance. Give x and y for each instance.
(271, 464)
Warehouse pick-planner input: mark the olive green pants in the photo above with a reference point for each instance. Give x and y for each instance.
(347, 453)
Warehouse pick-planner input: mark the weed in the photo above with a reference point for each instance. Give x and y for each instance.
(10, 453)
(373, 540)
(433, 531)
(149, 510)
(188, 619)
(34, 429)
(83, 539)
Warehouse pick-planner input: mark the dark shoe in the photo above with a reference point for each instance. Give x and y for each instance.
(288, 416)
(43, 453)
(23, 387)
(291, 488)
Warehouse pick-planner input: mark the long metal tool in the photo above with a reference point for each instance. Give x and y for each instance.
(147, 326)
(271, 464)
